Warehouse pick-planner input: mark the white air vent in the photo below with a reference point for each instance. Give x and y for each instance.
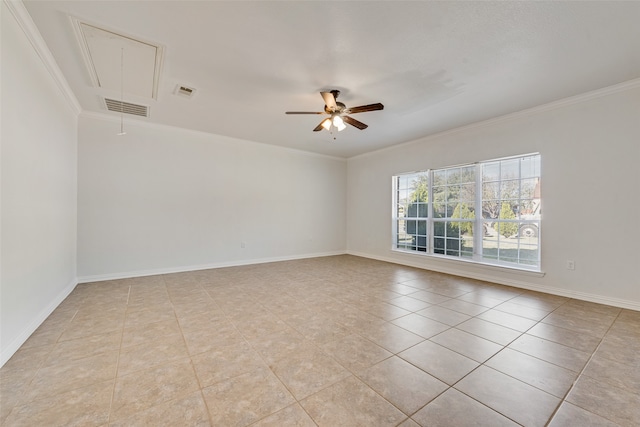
(185, 91)
(127, 107)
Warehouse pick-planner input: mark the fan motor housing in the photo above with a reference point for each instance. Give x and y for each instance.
(339, 108)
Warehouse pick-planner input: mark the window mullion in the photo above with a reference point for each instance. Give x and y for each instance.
(430, 212)
(479, 234)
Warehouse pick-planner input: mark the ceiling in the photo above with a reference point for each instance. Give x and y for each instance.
(434, 65)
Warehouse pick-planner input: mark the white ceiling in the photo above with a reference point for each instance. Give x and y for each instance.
(434, 65)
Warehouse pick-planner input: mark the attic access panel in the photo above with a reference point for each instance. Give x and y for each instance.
(139, 70)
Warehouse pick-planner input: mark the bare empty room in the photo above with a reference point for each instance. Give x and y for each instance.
(283, 213)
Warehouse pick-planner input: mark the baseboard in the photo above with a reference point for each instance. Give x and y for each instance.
(182, 269)
(600, 299)
(14, 345)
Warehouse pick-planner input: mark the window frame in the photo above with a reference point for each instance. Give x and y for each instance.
(478, 252)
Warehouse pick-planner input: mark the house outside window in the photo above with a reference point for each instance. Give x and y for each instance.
(487, 212)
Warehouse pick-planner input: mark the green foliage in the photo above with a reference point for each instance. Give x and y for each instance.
(507, 229)
(420, 190)
(462, 211)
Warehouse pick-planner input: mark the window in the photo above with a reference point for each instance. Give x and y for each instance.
(487, 212)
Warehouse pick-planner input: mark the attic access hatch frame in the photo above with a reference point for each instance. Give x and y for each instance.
(97, 41)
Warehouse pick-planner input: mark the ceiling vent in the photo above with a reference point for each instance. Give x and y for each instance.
(184, 91)
(127, 107)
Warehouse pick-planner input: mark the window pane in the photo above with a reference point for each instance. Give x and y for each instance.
(439, 210)
(439, 177)
(468, 174)
(510, 190)
(490, 191)
(453, 176)
(468, 192)
(439, 193)
(490, 171)
(530, 167)
(510, 169)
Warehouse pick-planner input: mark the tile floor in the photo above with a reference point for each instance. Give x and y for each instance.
(335, 341)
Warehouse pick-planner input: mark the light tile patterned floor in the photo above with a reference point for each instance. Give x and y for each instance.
(335, 341)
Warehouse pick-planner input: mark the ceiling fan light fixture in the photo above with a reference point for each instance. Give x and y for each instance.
(339, 123)
(326, 123)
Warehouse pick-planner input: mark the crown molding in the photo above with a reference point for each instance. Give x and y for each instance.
(24, 20)
(565, 102)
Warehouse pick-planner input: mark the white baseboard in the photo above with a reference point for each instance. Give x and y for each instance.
(17, 342)
(600, 299)
(154, 272)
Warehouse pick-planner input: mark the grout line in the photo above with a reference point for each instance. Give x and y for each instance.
(573, 385)
(115, 380)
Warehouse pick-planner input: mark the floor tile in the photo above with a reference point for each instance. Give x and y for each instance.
(463, 307)
(322, 331)
(355, 352)
(146, 355)
(620, 350)
(595, 327)
(186, 412)
(507, 320)
(351, 403)
(387, 311)
(480, 299)
(514, 399)
(225, 362)
(255, 327)
(402, 384)
(409, 423)
(275, 346)
(308, 371)
(168, 329)
(87, 406)
(615, 373)
(69, 375)
(392, 337)
(536, 372)
(552, 352)
(291, 416)
(572, 416)
(430, 297)
(444, 364)
(489, 331)
(610, 402)
(420, 325)
(587, 343)
(453, 408)
(143, 317)
(214, 336)
(409, 303)
(468, 345)
(444, 315)
(522, 310)
(143, 390)
(247, 398)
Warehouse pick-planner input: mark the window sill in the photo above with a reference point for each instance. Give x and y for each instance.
(458, 261)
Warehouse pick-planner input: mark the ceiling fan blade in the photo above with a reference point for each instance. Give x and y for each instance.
(364, 108)
(329, 100)
(354, 122)
(305, 112)
(320, 126)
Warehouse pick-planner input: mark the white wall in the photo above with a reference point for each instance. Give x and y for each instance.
(165, 199)
(38, 170)
(590, 190)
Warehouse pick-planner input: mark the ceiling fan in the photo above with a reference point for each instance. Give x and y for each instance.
(337, 112)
